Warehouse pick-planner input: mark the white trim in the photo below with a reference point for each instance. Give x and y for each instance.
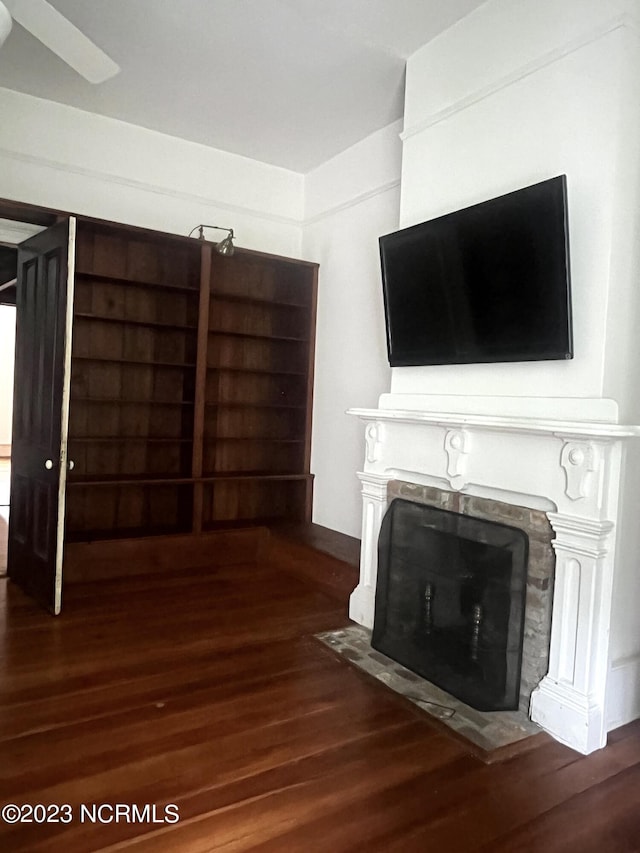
(352, 202)
(362, 602)
(374, 507)
(535, 426)
(617, 22)
(66, 396)
(16, 232)
(133, 183)
(585, 536)
(569, 702)
(623, 692)
(571, 717)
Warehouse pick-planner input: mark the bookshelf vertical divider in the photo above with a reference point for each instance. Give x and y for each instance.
(200, 387)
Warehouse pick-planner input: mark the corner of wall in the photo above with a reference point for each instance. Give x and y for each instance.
(349, 202)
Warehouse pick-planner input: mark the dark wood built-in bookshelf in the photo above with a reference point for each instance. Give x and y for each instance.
(191, 386)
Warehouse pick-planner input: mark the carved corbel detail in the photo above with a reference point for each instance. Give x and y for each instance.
(372, 437)
(579, 460)
(456, 445)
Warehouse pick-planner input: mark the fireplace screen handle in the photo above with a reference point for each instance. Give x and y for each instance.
(476, 617)
(429, 592)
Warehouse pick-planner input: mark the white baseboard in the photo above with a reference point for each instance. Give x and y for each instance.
(623, 692)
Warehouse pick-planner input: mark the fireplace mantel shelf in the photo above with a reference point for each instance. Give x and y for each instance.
(495, 423)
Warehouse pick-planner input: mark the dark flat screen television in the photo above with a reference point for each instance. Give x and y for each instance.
(489, 283)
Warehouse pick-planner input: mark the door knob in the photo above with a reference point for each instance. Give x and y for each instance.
(72, 464)
(48, 464)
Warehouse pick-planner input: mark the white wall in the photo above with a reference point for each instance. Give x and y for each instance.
(622, 341)
(519, 91)
(622, 382)
(60, 157)
(7, 346)
(349, 202)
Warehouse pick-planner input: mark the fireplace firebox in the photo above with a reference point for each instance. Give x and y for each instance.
(450, 601)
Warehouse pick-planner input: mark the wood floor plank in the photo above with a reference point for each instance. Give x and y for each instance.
(579, 821)
(226, 798)
(501, 808)
(139, 688)
(381, 817)
(270, 815)
(207, 690)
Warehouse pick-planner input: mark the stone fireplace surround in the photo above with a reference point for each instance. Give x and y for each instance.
(567, 467)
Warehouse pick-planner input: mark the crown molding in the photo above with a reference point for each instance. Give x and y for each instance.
(624, 20)
(143, 186)
(194, 198)
(360, 198)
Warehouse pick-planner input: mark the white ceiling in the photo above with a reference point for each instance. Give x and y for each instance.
(288, 82)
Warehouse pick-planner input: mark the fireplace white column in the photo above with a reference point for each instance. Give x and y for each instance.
(569, 469)
(374, 506)
(566, 702)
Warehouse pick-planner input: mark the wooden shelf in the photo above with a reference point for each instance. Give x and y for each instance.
(259, 439)
(128, 282)
(257, 370)
(152, 324)
(251, 475)
(88, 439)
(126, 402)
(285, 406)
(99, 534)
(180, 365)
(258, 300)
(131, 480)
(239, 523)
(146, 480)
(289, 339)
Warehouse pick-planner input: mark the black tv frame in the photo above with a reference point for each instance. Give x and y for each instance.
(400, 356)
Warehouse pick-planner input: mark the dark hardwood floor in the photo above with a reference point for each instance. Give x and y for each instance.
(207, 690)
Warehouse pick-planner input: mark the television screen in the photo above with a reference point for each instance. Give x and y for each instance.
(485, 284)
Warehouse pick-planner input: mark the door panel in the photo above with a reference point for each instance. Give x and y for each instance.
(40, 420)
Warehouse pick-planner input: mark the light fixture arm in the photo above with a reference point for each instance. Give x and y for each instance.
(225, 246)
(200, 230)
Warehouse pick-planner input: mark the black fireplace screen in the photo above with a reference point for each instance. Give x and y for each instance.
(450, 601)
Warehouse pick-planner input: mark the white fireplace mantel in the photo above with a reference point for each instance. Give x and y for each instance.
(570, 468)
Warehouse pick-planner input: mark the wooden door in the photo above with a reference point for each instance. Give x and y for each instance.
(40, 413)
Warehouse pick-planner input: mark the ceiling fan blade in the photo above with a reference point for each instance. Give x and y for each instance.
(63, 38)
(5, 22)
